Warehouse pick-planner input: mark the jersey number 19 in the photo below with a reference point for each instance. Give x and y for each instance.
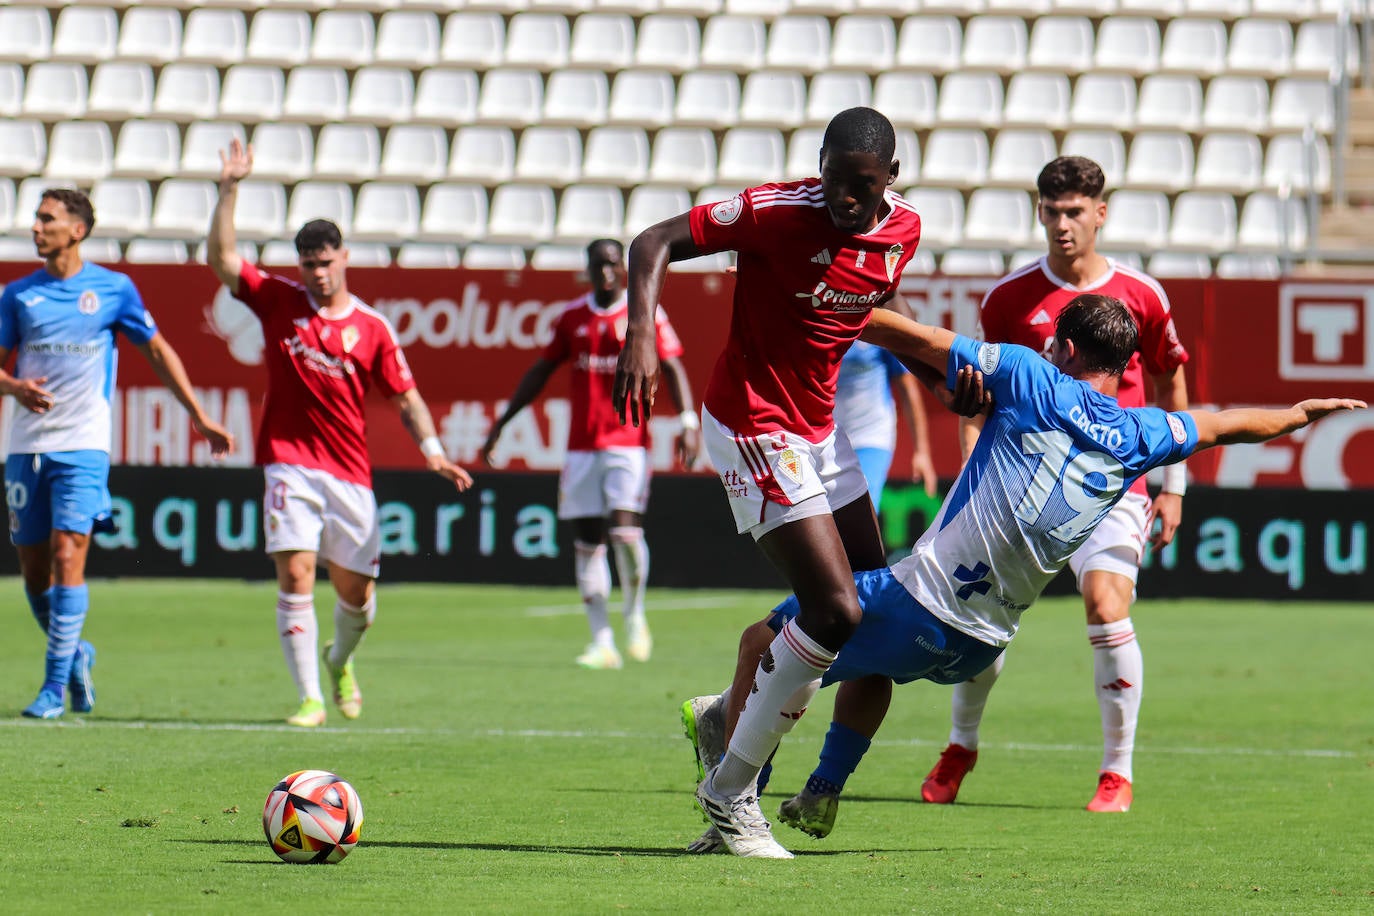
(1090, 482)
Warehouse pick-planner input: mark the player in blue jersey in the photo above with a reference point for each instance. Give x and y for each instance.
(1055, 454)
(61, 321)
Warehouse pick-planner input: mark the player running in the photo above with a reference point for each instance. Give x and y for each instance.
(62, 320)
(604, 486)
(324, 348)
(1057, 452)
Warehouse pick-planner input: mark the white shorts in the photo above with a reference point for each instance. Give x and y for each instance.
(306, 509)
(779, 477)
(595, 484)
(1117, 544)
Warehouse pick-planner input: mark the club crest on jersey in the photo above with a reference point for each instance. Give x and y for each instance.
(350, 337)
(989, 355)
(1176, 427)
(727, 211)
(790, 464)
(891, 259)
(89, 303)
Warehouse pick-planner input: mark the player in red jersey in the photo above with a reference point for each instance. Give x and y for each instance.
(324, 349)
(1022, 308)
(604, 486)
(814, 257)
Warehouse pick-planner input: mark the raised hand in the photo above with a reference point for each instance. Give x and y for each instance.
(236, 163)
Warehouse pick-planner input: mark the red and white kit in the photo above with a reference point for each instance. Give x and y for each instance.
(1023, 308)
(803, 293)
(607, 467)
(318, 373)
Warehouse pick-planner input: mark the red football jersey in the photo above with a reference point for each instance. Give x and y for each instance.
(590, 338)
(318, 373)
(803, 292)
(1023, 307)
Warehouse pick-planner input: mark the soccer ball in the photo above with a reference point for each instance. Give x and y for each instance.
(311, 817)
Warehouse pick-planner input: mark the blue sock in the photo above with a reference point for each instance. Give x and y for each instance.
(764, 774)
(39, 603)
(66, 617)
(840, 756)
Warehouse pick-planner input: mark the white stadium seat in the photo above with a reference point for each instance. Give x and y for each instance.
(931, 43)
(80, 151)
(214, 36)
(252, 93)
(55, 91)
(907, 152)
(1104, 100)
(1286, 165)
(971, 99)
(955, 156)
(513, 97)
(995, 43)
(1018, 156)
(11, 91)
(475, 39)
(559, 256)
(751, 155)
(417, 255)
(386, 212)
(803, 154)
(717, 192)
(588, 212)
(283, 151)
(481, 256)
(552, 155)
(1196, 46)
(577, 97)
(964, 262)
(454, 213)
(147, 149)
(351, 152)
(279, 37)
(23, 147)
(1236, 103)
(1203, 221)
(1160, 160)
(278, 253)
(668, 41)
(1041, 99)
(1221, 9)
(85, 34)
(1260, 47)
(773, 98)
(1061, 44)
(485, 154)
(800, 43)
(447, 97)
(415, 152)
(603, 41)
(1127, 44)
(368, 254)
(999, 218)
(316, 94)
(909, 99)
(381, 95)
(616, 155)
(125, 206)
(835, 91)
(343, 38)
(120, 90)
(733, 43)
(1105, 147)
(1169, 100)
(1320, 50)
(25, 34)
(642, 97)
(26, 199)
(321, 200)
(1237, 266)
(521, 214)
(683, 156)
(707, 98)
(1298, 102)
(1180, 265)
(201, 148)
(1229, 162)
(187, 92)
(537, 40)
(650, 204)
(182, 208)
(864, 43)
(1271, 223)
(1136, 220)
(156, 251)
(261, 211)
(408, 38)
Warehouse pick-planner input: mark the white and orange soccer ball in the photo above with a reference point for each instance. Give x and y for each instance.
(312, 817)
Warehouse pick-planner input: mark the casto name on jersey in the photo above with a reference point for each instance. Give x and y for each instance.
(1100, 432)
(840, 300)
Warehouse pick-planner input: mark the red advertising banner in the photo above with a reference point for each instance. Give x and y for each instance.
(470, 335)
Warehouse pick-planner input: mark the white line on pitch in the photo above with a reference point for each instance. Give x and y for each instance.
(680, 604)
(599, 735)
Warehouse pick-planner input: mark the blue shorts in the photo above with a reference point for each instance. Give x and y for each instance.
(899, 638)
(60, 491)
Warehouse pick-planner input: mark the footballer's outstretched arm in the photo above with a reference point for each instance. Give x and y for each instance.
(905, 338)
(221, 246)
(1257, 424)
(636, 372)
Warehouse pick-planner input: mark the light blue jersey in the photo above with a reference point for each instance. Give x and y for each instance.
(1053, 457)
(864, 408)
(63, 330)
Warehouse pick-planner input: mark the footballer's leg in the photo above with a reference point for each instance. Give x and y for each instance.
(626, 487)
(354, 612)
(1118, 673)
(298, 632)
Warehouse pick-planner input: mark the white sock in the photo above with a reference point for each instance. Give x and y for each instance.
(594, 584)
(299, 634)
(966, 706)
(1118, 673)
(350, 623)
(787, 678)
(632, 563)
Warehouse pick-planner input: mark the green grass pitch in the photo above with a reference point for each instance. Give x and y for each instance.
(498, 777)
